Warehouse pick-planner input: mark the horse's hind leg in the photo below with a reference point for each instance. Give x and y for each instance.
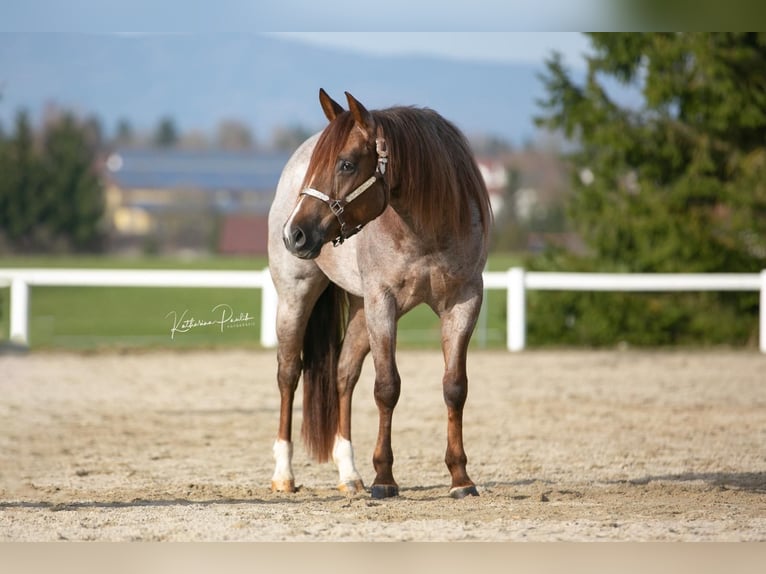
(457, 324)
(356, 345)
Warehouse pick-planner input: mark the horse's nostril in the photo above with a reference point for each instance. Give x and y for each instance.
(294, 238)
(299, 238)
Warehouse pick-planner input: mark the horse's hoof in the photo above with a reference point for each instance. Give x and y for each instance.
(351, 487)
(384, 490)
(283, 486)
(463, 491)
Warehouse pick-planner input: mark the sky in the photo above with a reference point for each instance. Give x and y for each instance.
(528, 47)
(269, 84)
(496, 31)
(303, 15)
(488, 30)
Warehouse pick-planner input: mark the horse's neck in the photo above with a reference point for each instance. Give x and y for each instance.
(397, 227)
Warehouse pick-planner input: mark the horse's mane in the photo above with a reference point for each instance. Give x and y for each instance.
(431, 168)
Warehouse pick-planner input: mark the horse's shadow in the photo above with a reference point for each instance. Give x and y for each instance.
(748, 481)
(138, 503)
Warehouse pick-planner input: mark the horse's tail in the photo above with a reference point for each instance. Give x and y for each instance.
(321, 350)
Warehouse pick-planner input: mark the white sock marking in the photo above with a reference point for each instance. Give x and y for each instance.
(343, 456)
(283, 455)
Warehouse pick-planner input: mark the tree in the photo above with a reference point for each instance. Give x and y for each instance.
(124, 135)
(73, 191)
(50, 195)
(234, 135)
(678, 184)
(166, 134)
(20, 184)
(508, 231)
(289, 138)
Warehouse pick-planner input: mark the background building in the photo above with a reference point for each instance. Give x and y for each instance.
(172, 200)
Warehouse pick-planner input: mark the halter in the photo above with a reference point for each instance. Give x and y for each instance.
(338, 206)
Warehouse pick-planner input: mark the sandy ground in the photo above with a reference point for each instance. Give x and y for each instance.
(563, 446)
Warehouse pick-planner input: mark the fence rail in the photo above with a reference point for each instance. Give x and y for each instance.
(516, 281)
(21, 279)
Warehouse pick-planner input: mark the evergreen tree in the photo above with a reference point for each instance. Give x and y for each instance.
(50, 195)
(20, 184)
(166, 134)
(678, 184)
(124, 135)
(73, 192)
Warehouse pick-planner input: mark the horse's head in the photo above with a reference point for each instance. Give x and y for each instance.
(344, 187)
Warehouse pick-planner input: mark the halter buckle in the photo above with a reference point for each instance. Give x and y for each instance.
(381, 148)
(336, 206)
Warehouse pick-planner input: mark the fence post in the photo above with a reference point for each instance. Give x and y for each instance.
(268, 312)
(516, 320)
(762, 327)
(19, 312)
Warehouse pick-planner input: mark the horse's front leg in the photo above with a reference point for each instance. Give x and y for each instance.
(293, 311)
(288, 372)
(356, 345)
(381, 325)
(457, 324)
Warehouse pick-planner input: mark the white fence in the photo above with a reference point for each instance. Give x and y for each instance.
(21, 279)
(515, 281)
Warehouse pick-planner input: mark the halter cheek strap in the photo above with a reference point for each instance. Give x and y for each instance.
(338, 206)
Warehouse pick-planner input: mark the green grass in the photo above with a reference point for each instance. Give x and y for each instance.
(91, 317)
(115, 317)
(109, 262)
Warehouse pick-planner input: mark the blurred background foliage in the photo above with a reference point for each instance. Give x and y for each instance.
(675, 185)
(51, 196)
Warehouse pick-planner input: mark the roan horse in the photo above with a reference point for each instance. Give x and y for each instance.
(403, 182)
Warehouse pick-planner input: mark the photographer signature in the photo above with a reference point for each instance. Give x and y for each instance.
(224, 317)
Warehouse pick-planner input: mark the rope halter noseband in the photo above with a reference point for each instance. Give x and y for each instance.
(338, 206)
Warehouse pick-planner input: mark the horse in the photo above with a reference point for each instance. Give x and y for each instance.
(381, 211)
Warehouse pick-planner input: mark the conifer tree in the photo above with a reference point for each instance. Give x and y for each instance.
(73, 194)
(20, 182)
(51, 198)
(677, 184)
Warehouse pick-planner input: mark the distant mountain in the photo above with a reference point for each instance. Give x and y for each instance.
(266, 82)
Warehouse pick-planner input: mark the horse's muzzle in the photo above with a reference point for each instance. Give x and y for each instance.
(299, 243)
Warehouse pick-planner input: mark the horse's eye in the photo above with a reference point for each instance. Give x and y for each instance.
(346, 166)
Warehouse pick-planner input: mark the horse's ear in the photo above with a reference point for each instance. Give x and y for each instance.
(330, 107)
(362, 117)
